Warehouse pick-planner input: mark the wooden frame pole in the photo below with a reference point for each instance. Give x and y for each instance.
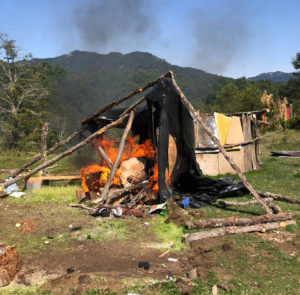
(223, 151)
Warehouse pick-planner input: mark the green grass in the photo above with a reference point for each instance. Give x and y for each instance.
(52, 194)
(168, 233)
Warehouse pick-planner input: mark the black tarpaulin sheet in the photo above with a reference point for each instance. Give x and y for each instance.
(164, 115)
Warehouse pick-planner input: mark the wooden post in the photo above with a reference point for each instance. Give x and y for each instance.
(50, 151)
(257, 143)
(45, 129)
(118, 158)
(223, 151)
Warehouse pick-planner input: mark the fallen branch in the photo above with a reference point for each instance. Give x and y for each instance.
(246, 183)
(66, 153)
(114, 103)
(237, 221)
(279, 197)
(276, 209)
(105, 157)
(82, 206)
(241, 204)
(118, 157)
(235, 230)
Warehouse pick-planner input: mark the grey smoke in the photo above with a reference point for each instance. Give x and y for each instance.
(221, 34)
(115, 24)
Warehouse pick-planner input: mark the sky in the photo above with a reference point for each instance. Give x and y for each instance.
(232, 38)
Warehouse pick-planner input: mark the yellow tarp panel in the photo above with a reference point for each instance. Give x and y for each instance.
(235, 134)
(223, 124)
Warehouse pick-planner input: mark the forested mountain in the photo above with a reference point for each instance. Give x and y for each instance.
(277, 76)
(95, 79)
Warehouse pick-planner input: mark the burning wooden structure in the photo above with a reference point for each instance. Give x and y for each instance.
(164, 160)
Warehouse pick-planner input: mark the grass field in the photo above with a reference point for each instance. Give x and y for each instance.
(257, 263)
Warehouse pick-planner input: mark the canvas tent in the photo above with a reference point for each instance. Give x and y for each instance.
(230, 130)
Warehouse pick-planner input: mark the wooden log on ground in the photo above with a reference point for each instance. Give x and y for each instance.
(114, 103)
(45, 129)
(118, 157)
(223, 151)
(242, 204)
(66, 153)
(50, 151)
(217, 232)
(237, 221)
(279, 197)
(276, 209)
(105, 157)
(82, 206)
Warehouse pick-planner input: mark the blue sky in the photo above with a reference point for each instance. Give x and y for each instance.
(228, 37)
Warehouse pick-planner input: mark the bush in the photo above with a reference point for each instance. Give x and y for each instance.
(293, 123)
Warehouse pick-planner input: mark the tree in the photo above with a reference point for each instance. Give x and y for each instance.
(24, 88)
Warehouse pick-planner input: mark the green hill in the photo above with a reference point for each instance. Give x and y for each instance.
(96, 79)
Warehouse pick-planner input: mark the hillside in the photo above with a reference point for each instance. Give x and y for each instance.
(272, 76)
(96, 79)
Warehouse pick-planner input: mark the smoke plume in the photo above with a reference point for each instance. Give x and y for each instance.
(115, 24)
(222, 33)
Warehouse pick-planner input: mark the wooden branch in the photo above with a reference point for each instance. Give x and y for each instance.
(128, 189)
(235, 230)
(82, 206)
(276, 209)
(45, 129)
(66, 153)
(50, 151)
(105, 157)
(223, 151)
(138, 197)
(279, 197)
(114, 103)
(237, 221)
(241, 204)
(118, 157)
(262, 111)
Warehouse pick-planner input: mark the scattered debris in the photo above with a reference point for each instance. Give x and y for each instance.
(10, 263)
(284, 154)
(172, 259)
(214, 290)
(144, 264)
(193, 274)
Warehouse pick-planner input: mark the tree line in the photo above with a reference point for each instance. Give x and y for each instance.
(32, 93)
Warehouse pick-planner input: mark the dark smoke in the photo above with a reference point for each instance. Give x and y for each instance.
(115, 24)
(222, 33)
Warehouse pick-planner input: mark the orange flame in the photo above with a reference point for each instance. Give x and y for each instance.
(131, 150)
